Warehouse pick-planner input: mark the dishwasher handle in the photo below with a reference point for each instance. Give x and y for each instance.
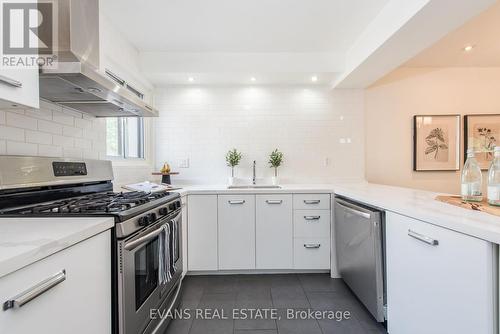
(354, 210)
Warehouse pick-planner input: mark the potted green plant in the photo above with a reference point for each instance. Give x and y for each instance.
(275, 160)
(233, 158)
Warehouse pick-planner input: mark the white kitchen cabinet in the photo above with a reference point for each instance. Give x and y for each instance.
(438, 280)
(274, 232)
(311, 201)
(236, 232)
(311, 253)
(79, 303)
(19, 85)
(311, 223)
(202, 232)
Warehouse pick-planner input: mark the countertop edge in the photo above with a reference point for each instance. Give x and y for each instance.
(27, 258)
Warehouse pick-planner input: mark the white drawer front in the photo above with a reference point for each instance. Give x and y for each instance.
(311, 223)
(81, 303)
(311, 253)
(311, 201)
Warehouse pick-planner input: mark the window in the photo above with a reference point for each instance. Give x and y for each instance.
(125, 137)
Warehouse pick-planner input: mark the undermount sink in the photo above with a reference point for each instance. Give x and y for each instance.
(253, 186)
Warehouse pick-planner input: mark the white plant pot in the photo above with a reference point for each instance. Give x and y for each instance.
(230, 180)
(275, 180)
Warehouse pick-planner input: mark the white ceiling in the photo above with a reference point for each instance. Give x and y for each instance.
(242, 25)
(483, 31)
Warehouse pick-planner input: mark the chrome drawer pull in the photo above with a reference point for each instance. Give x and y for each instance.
(310, 246)
(312, 217)
(312, 201)
(30, 294)
(241, 201)
(423, 238)
(269, 201)
(11, 82)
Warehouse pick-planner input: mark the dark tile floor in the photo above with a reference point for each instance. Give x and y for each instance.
(282, 294)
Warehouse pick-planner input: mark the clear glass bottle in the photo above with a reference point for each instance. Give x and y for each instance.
(494, 179)
(472, 179)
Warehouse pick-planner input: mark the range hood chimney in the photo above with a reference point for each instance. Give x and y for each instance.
(76, 81)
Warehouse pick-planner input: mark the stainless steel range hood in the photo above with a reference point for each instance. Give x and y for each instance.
(77, 81)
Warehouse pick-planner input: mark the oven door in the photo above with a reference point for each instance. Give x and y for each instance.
(139, 287)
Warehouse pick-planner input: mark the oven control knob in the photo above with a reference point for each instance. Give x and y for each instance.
(143, 221)
(163, 211)
(152, 217)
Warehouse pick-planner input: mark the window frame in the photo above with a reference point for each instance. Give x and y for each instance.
(123, 140)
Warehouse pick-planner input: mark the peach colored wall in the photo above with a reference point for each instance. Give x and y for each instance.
(391, 103)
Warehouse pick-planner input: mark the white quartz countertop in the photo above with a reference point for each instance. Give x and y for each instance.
(26, 240)
(422, 205)
(417, 204)
(288, 188)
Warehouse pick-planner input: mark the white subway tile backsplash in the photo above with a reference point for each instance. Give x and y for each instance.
(40, 114)
(83, 123)
(50, 127)
(62, 118)
(63, 141)
(40, 132)
(20, 121)
(17, 148)
(38, 137)
(72, 152)
(83, 143)
(49, 151)
(72, 131)
(10, 133)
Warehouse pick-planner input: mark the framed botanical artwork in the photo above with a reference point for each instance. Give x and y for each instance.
(482, 133)
(436, 142)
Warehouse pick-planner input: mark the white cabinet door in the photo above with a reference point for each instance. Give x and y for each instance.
(202, 232)
(236, 232)
(441, 288)
(274, 232)
(19, 84)
(311, 253)
(79, 303)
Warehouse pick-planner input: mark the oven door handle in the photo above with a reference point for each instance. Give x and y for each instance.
(137, 242)
(151, 235)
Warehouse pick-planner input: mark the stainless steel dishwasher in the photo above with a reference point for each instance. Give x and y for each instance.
(360, 252)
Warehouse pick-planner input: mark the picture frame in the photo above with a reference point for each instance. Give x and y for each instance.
(482, 132)
(436, 142)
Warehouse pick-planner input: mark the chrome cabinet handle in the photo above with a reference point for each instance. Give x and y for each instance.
(10, 82)
(312, 217)
(240, 201)
(423, 238)
(310, 246)
(354, 211)
(312, 201)
(278, 201)
(115, 78)
(30, 294)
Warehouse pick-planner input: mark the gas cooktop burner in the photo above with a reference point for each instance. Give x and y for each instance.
(99, 203)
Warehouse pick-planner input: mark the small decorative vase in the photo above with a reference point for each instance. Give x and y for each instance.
(230, 180)
(275, 180)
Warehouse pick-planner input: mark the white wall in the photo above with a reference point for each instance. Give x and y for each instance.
(307, 123)
(391, 104)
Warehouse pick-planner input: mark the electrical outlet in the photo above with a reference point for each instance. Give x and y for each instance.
(183, 163)
(327, 161)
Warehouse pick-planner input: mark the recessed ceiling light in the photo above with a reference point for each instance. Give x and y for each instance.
(314, 78)
(253, 79)
(468, 48)
(190, 79)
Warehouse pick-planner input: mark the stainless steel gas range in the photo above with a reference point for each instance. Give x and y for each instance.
(147, 259)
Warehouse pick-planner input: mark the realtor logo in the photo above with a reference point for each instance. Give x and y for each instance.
(28, 33)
